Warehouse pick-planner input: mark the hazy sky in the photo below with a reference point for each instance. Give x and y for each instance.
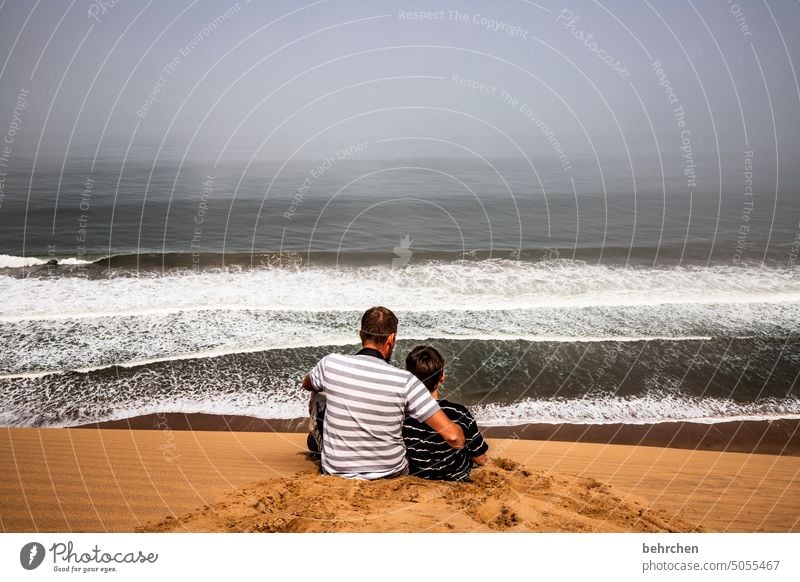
(561, 81)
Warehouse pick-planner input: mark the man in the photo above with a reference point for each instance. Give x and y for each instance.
(367, 400)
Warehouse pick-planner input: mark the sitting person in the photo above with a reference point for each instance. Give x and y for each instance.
(357, 429)
(429, 456)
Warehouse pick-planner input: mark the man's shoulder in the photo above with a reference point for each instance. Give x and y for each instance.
(332, 357)
(367, 364)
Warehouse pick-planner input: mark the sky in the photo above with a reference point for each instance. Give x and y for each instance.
(700, 85)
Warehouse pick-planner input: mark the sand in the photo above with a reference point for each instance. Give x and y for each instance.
(58, 480)
(777, 437)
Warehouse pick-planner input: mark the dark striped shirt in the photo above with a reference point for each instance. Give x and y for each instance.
(429, 455)
(367, 400)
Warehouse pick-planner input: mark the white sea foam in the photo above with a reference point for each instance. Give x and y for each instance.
(77, 324)
(273, 411)
(605, 410)
(636, 410)
(344, 341)
(433, 286)
(14, 262)
(88, 344)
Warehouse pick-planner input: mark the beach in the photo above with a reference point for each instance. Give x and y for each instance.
(591, 212)
(168, 479)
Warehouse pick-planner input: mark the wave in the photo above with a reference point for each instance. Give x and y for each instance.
(348, 343)
(139, 263)
(648, 409)
(14, 262)
(46, 345)
(668, 253)
(493, 284)
(508, 382)
(80, 415)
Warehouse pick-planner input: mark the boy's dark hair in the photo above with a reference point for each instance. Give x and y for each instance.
(377, 324)
(427, 364)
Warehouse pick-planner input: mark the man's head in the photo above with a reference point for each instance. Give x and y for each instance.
(379, 330)
(427, 364)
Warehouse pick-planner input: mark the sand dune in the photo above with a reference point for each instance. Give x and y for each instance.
(503, 496)
(161, 480)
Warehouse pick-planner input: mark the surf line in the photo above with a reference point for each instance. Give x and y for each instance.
(346, 342)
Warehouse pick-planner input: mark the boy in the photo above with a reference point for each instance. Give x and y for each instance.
(429, 456)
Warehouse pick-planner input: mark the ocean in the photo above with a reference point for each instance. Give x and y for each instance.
(128, 288)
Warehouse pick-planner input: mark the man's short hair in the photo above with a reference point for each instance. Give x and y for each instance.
(377, 324)
(427, 364)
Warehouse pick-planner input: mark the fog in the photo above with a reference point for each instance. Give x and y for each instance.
(695, 86)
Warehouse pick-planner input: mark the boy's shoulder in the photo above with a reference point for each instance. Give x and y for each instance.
(455, 407)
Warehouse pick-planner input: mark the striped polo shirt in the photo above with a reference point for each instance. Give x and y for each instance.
(367, 400)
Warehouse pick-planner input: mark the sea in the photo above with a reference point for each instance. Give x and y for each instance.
(602, 294)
